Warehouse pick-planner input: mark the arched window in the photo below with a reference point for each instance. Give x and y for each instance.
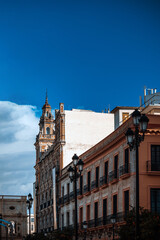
(47, 130)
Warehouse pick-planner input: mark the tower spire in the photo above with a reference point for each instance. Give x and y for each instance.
(46, 97)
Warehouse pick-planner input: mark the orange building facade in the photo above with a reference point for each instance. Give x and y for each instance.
(108, 183)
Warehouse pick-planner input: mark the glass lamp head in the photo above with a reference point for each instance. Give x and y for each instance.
(31, 200)
(75, 159)
(85, 225)
(113, 220)
(80, 165)
(136, 115)
(28, 203)
(129, 134)
(70, 170)
(143, 123)
(29, 196)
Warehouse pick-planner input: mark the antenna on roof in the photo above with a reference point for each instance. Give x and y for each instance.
(46, 97)
(108, 108)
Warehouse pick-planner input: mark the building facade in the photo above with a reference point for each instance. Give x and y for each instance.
(13, 209)
(107, 186)
(57, 141)
(32, 226)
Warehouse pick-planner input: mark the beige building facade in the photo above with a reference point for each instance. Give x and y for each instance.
(71, 131)
(13, 209)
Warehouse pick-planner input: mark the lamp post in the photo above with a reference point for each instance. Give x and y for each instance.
(74, 174)
(113, 221)
(140, 122)
(29, 205)
(85, 229)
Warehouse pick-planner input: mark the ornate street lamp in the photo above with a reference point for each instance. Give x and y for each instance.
(29, 206)
(85, 229)
(134, 139)
(113, 221)
(74, 174)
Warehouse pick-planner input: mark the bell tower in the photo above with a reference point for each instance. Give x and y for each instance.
(46, 135)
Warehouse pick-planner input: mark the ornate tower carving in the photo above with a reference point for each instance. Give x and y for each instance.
(46, 135)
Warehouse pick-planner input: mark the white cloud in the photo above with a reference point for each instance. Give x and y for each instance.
(18, 130)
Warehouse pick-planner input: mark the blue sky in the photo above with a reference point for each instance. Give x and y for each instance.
(88, 54)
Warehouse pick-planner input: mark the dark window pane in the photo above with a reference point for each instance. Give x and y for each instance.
(104, 211)
(114, 204)
(126, 202)
(155, 200)
(97, 176)
(106, 172)
(88, 212)
(96, 213)
(126, 160)
(81, 185)
(155, 157)
(116, 166)
(89, 181)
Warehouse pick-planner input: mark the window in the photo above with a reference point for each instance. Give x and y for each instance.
(155, 157)
(47, 130)
(106, 172)
(81, 185)
(46, 196)
(126, 202)
(73, 216)
(97, 177)
(88, 213)
(68, 219)
(116, 166)
(68, 187)
(125, 116)
(155, 200)
(89, 181)
(104, 211)
(81, 215)
(62, 220)
(115, 205)
(50, 193)
(96, 213)
(126, 160)
(62, 194)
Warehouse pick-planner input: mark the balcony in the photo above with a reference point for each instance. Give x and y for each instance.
(102, 221)
(113, 176)
(95, 185)
(124, 171)
(71, 195)
(66, 198)
(104, 181)
(153, 166)
(86, 189)
(61, 202)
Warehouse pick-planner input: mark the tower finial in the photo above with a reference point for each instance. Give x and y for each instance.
(46, 97)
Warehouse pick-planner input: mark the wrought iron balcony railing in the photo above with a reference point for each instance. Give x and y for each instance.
(71, 195)
(153, 166)
(94, 184)
(102, 221)
(124, 169)
(103, 180)
(113, 175)
(86, 188)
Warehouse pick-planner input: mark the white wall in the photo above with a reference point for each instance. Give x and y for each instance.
(83, 129)
(118, 116)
